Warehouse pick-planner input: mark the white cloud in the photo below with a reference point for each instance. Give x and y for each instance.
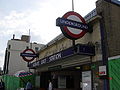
(41, 21)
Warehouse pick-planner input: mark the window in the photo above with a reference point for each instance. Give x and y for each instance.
(66, 81)
(9, 46)
(27, 47)
(36, 49)
(61, 82)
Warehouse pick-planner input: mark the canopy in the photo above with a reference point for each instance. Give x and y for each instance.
(23, 74)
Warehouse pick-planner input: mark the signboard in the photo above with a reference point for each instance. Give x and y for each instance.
(87, 50)
(86, 80)
(102, 71)
(72, 25)
(55, 67)
(28, 55)
(52, 58)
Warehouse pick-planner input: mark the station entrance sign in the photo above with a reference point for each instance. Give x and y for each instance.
(28, 55)
(72, 25)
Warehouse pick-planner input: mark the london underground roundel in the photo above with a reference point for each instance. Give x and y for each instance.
(28, 55)
(72, 25)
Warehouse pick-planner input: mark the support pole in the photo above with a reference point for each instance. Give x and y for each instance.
(74, 47)
(72, 5)
(73, 41)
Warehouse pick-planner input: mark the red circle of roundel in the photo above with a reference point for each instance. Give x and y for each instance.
(67, 32)
(26, 59)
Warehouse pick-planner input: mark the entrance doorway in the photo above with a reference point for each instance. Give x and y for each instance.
(67, 79)
(44, 80)
(72, 78)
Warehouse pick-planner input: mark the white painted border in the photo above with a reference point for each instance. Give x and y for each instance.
(114, 57)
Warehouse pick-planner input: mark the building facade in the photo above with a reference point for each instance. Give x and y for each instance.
(78, 67)
(13, 61)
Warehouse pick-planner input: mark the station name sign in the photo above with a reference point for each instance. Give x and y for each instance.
(80, 49)
(71, 23)
(28, 55)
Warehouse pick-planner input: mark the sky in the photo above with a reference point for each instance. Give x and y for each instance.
(18, 16)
